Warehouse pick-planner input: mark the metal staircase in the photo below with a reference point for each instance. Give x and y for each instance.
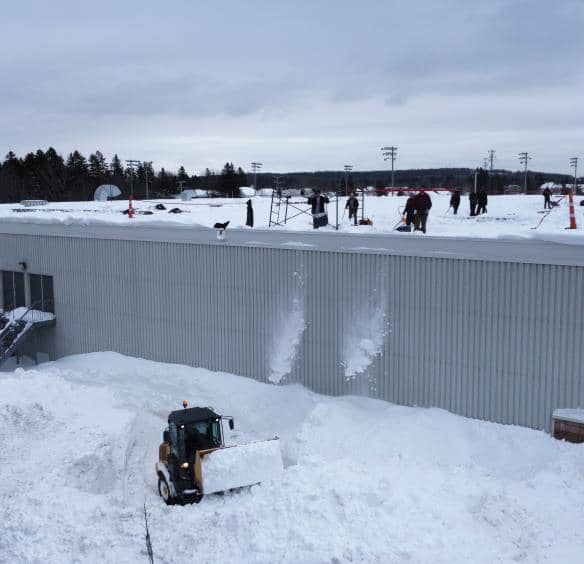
(17, 326)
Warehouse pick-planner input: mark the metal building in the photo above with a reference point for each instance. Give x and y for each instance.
(491, 329)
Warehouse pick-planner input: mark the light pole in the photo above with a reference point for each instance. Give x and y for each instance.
(255, 167)
(574, 164)
(132, 163)
(390, 153)
(524, 158)
(348, 168)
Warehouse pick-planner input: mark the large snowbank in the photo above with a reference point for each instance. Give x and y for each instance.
(510, 215)
(364, 480)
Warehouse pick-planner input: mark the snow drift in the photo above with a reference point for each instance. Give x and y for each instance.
(364, 480)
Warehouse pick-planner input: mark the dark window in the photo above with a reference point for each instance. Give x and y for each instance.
(36, 291)
(41, 293)
(7, 290)
(13, 290)
(48, 299)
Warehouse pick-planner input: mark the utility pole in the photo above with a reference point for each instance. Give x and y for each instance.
(132, 164)
(491, 160)
(574, 164)
(254, 168)
(390, 153)
(524, 158)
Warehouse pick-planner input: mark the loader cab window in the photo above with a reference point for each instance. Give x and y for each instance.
(13, 294)
(211, 431)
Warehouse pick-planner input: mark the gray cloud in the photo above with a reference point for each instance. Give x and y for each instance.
(305, 76)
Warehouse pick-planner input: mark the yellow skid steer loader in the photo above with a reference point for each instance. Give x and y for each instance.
(194, 461)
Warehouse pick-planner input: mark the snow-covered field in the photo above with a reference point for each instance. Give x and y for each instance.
(365, 481)
(509, 215)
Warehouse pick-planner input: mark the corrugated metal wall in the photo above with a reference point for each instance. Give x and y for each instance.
(492, 340)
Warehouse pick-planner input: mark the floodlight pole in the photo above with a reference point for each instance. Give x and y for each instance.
(523, 159)
(255, 167)
(574, 163)
(348, 168)
(390, 153)
(131, 164)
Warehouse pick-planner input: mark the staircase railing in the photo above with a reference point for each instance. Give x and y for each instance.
(23, 324)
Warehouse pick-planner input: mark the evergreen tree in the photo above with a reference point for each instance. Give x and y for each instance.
(97, 165)
(228, 181)
(116, 167)
(241, 177)
(182, 174)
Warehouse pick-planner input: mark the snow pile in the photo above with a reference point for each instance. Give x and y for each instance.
(364, 480)
(243, 465)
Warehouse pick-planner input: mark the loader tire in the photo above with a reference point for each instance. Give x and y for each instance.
(164, 491)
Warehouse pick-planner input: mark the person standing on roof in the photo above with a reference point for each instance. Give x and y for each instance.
(352, 205)
(410, 211)
(422, 204)
(472, 200)
(455, 201)
(317, 203)
(482, 199)
(547, 198)
(249, 218)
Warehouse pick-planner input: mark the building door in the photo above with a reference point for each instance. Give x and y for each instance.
(41, 293)
(13, 290)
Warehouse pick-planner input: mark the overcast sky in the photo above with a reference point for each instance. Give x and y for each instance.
(297, 85)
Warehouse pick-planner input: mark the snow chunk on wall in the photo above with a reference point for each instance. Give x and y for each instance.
(287, 342)
(288, 332)
(364, 340)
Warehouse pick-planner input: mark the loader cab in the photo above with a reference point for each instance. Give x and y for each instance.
(189, 430)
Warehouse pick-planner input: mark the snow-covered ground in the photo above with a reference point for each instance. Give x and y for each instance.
(365, 481)
(509, 215)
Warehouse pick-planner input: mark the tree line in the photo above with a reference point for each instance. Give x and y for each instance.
(47, 175)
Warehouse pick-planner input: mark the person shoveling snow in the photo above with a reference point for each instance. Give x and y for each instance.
(194, 461)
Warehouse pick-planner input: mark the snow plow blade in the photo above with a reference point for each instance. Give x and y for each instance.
(226, 468)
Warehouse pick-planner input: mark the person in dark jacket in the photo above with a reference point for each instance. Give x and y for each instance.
(422, 203)
(352, 205)
(317, 204)
(455, 201)
(249, 218)
(472, 199)
(410, 211)
(482, 202)
(547, 199)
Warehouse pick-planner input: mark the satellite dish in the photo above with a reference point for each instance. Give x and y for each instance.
(106, 191)
(187, 195)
